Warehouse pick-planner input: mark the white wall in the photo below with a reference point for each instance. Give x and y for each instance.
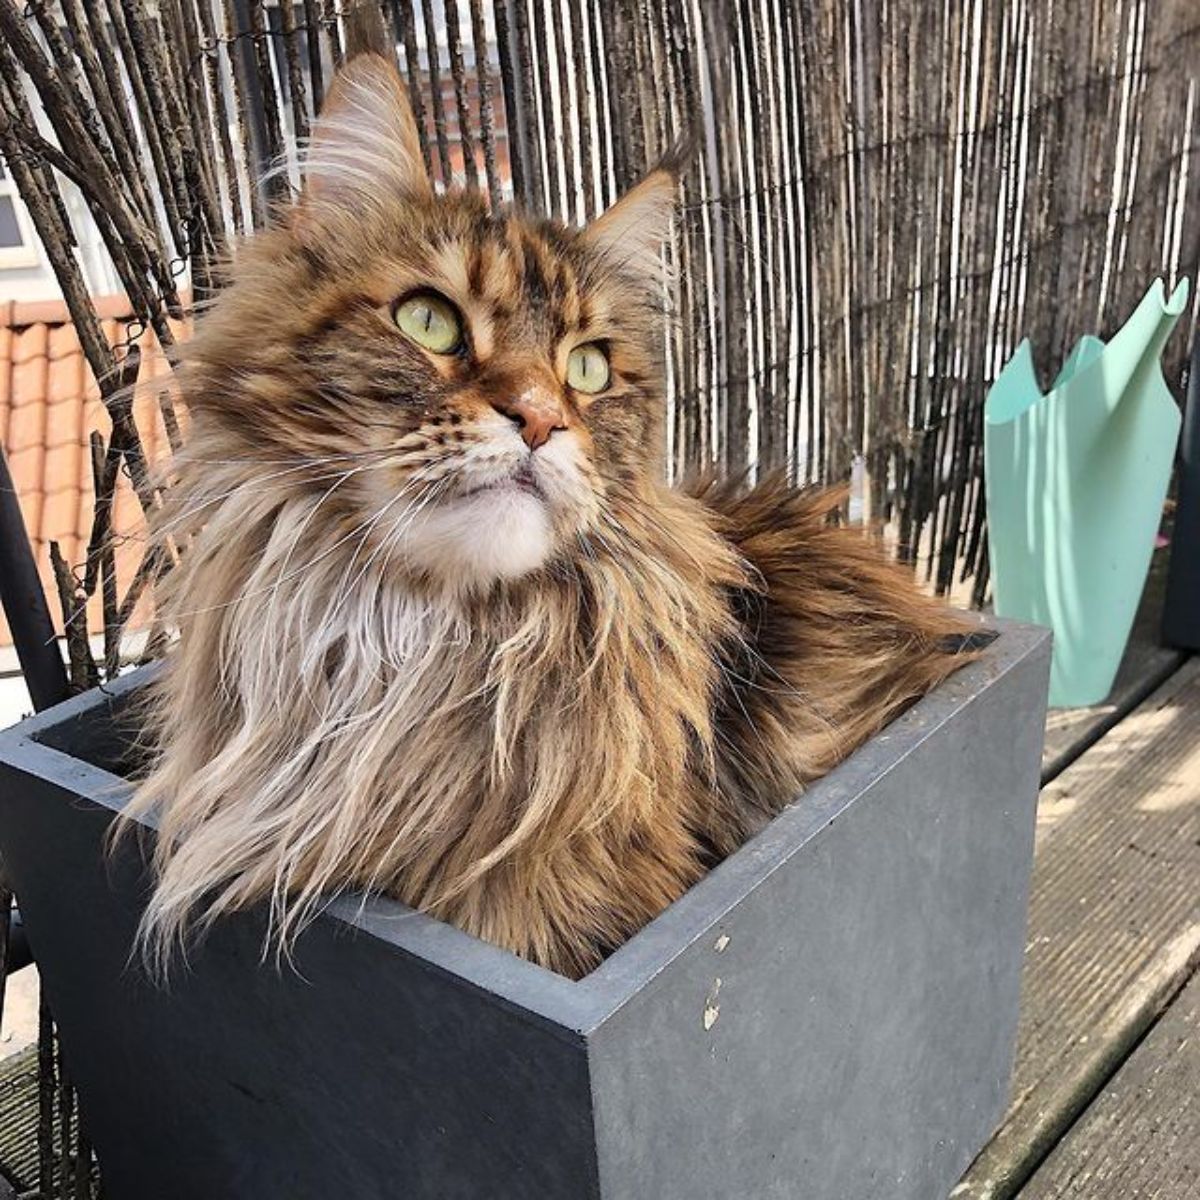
(37, 282)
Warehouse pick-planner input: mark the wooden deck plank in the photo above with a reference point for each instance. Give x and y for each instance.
(1142, 1136)
(1146, 665)
(1114, 922)
(19, 1119)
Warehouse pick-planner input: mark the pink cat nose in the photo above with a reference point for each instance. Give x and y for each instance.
(537, 411)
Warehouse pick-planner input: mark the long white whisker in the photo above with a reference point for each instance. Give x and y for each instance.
(290, 575)
(253, 484)
(422, 500)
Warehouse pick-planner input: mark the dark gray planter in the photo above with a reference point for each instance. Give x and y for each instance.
(830, 1015)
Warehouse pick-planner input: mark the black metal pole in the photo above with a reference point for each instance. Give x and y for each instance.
(41, 663)
(25, 604)
(1181, 610)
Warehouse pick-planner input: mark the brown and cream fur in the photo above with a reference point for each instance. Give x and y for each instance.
(539, 712)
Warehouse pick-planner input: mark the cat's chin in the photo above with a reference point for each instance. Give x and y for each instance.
(492, 534)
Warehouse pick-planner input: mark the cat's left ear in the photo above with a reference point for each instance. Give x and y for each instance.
(365, 147)
(631, 232)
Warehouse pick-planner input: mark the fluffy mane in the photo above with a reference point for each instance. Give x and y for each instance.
(535, 766)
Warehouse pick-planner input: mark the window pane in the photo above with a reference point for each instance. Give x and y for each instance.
(10, 231)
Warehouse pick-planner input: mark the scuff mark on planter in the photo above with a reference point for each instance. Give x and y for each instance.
(712, 1010)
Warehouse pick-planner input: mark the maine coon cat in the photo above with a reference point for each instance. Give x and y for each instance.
(444, 631)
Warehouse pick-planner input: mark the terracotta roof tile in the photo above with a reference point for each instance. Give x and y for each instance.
(63, 341)
(62, 470)
(64, 380)
(63, 423)
(59, 513)
(29, 381)
(30, 343)
(49, 405)
(5, 381)
(27, 426)
(27, 469)
(83, 499)
(148, 415)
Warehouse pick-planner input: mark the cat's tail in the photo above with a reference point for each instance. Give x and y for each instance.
(836, 641)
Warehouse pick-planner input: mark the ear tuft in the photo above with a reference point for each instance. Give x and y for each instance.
(366, 32)
(365, 146)
(679, 156)
(632, 231)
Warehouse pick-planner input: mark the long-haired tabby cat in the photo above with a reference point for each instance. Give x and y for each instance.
(444, 632)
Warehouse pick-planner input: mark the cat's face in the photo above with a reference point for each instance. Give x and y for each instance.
(475, 393)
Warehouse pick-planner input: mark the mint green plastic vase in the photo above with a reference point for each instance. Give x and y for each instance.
(1075, 484)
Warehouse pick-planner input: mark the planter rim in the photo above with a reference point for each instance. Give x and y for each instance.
(573, 1008)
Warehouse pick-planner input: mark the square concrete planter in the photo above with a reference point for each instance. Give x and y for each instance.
(829, 1015)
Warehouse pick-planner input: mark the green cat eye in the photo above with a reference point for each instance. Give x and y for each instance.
(430, 321)
(587, 369)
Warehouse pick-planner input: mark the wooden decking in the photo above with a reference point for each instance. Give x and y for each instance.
(1108, 1061)
(1139, 1137)
(19, 1117)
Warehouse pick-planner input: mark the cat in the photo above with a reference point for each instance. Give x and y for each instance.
(444, 632)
